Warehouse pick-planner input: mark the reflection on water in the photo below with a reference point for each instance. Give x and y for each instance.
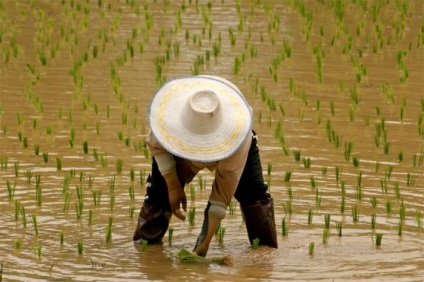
(338, 95)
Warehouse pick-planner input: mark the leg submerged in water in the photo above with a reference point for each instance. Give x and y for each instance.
(260, 222)
(255, 202)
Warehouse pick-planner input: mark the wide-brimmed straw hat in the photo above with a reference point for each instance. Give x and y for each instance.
(200, 118)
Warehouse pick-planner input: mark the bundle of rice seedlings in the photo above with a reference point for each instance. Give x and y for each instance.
(187, 256)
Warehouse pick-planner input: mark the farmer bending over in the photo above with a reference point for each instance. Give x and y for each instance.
(204, 122)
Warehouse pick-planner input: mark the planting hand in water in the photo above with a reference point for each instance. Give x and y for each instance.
(196, 123)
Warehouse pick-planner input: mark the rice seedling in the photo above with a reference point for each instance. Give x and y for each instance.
(313, 182)
(38, 191)
(339, 228)
(80, 247)
(191, 216)
(202, 182)
(170, 234)
(296, 154)
(287, 176)
(85, 147)
(418, 220)
(232, 207)
(143, 244)
(10, 190)
(348, 150)
(386, 148)
(119, 165)
(400, 228)
(343, 204)
(58, 163)
(388, 172)
(4, 162)
(255, 243)
(318, 198)
(36, 149)
(61, 238)
(37, 251)
(310, 216)
(388, 206)
(374, 201)
(289, 192)
(16, 166)
(410, 179)
(111, 183)
(358, 192)
(17, 244)
(325, 235)
(90, 217)
(112, 203)
(131, 192)
(378, 238)
(132, 174)
(46, 157)
(109, 230)
(418, 159)
(23, 215)
(402, 211)
(327, 221)
(221, 234)
(67, 201)
(17, 209)
(35, 223)
(311, 248)
(288, 207)
(97, 195)
(187, 256)
(355, 213)
(306, 162)
(373, 221)
(284, 227)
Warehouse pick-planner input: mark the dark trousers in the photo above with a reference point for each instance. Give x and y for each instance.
(250, 189)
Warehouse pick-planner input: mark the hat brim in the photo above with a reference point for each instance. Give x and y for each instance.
(166, 109)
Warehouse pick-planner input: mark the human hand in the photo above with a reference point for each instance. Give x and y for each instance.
(177, 196)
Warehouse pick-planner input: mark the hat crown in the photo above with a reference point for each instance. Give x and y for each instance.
(202, 114)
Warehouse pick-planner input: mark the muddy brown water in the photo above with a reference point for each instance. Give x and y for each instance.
(86, 70)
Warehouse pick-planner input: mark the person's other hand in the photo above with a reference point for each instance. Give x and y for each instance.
(177, 196)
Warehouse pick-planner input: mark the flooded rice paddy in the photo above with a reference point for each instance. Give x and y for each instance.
(337, 89)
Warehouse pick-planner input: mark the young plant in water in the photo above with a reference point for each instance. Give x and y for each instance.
(10, 189)
(339, 228)
(255, 243)
(58, 163)
(38, 191)
(373, 218)
(191, 216)
(311, 248)
(378, 238)
(284, 227)
(310, 216)
(221, 233)
(325, 235)
(170, 234)
(80, 247)
(418, 219)
(34, 222)
(400, 227)
(143, 244)
(119, 165)
(109, 230)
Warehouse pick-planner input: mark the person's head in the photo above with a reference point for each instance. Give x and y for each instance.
(200, 118)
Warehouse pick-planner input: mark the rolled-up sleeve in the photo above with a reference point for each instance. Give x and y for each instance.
(228, 174)
(164, 159)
